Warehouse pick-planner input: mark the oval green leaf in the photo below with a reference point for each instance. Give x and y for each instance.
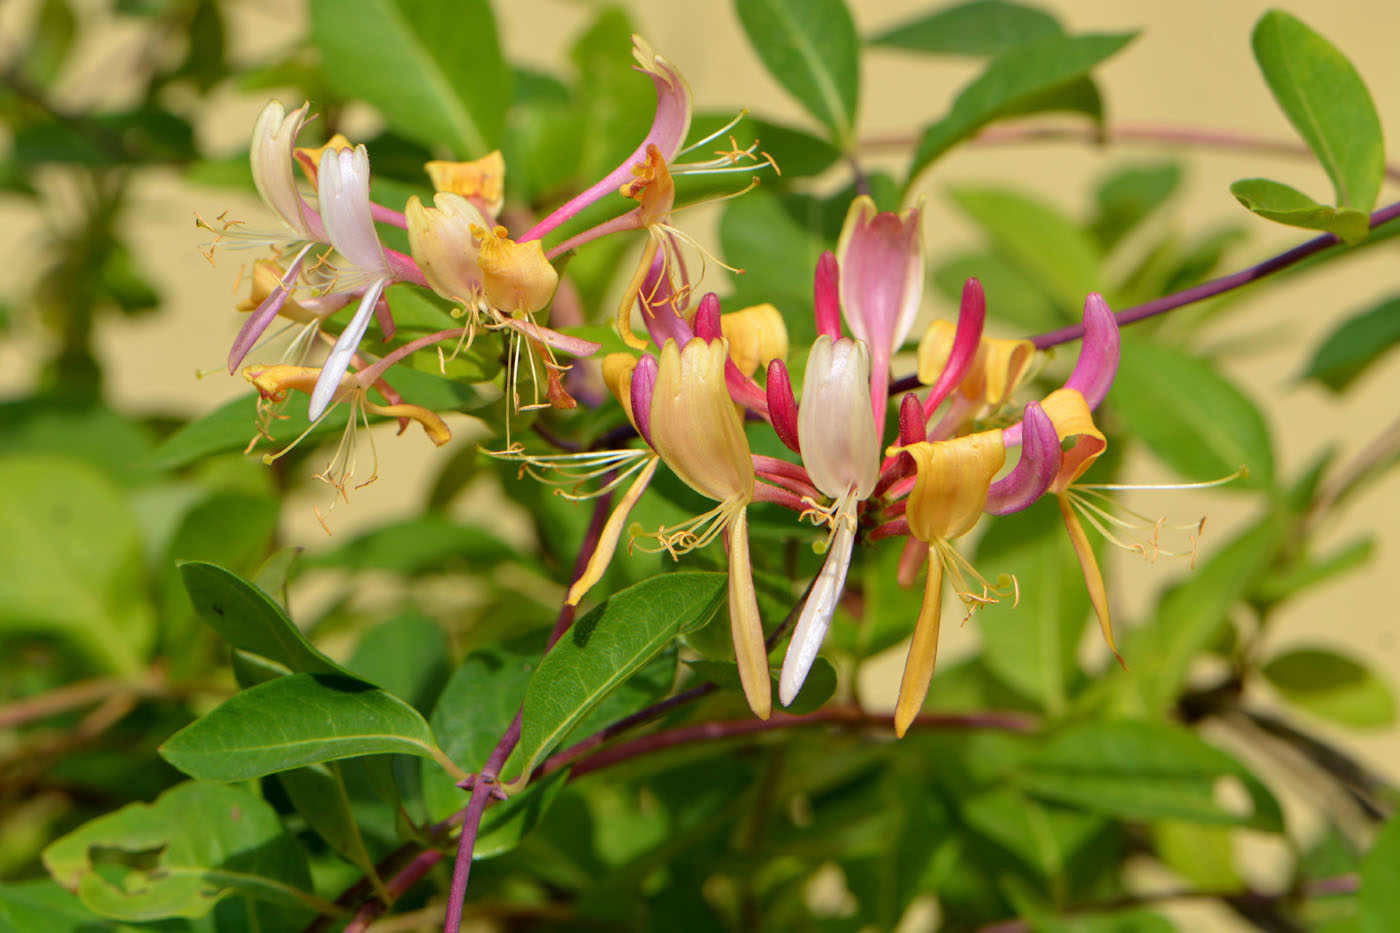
(812, 48)
(1276, 201)
(300, 720)
(1332, 686)
(1195, 420)
(207, 842)
(607, 646)
(981, 27)
(433, 68)
(1327, 103)
(1350, 349)
(1009, 82)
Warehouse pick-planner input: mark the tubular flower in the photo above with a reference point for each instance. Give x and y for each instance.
(881, 260)
(841, 453)
(696, 430)
(949, 495)
(446, 241)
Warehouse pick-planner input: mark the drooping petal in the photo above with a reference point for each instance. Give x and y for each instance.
(1034, 472)
(923, 650)
(1098, 354)
(881, 258)
(338, 360)
(835, 424)
(816, 615)
(1093, 577)
(694, 425)
(612, 532)
(269, 286)
(344, 192)
(745, 624)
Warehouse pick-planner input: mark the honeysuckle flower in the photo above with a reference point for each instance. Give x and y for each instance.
(996, 371)
(841, 454)
(696, 430)
(445, 240)
(949, 496)
(275, 382)
(343, 188)
(274, 139)
(269, 296)
(881, 260)
(481, 181)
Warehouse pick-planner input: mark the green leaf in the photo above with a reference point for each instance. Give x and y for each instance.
(1359, 342)
(295, 721)
(1012, 297)
(1009, 81)
(406, 655)
(1276, 201)
(42, 906)
(1129, 196)
(1284, 583)
(230, 426)
(1194, 420)
(1379, 900)
(1042, 242)
(431, 543)
(1327, 103)
(1045, 836)
(798, 153)
(196, 845)
(249, 619)
(819, 686)
(320, 796)
(812, 48)
(1332, 686)
(72, 555)
(433, 68)
(605, 647)
(1144, 770)
(981, 27)
(1203, 854)
(1032, 647)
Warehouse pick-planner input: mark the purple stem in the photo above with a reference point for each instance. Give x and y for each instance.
(1216, 286)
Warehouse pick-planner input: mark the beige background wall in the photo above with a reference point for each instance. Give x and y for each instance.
(1191, 65)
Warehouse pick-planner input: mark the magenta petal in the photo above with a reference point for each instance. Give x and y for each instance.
(826, 292)
(255, 325)
(658, 303)
(643, 384)
(971, 314)
(1098, 354)
(782, 405)
(913, 427)
(1034, 472)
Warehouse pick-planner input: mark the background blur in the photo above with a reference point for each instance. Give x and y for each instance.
(1191, 66)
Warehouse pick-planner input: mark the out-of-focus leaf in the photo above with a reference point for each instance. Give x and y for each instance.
(1189, 616)
(1279, 586)
(116, 445)
(1011, 79)
(295, 721)
(1276, 201)
(1194, 420)
(1332, 686)
(229, 427)
(1144, 770)
(250, 620)
(798, 153)
(71, 550)
(819, 686)
(178, 857)
(812, 49)
(1012, 297)
(981, 27)
(433, 68)
(1045, 836)
(1379, 901)
(319, 794)
(205, 63)
(1032, 647)
(605, 647)
(406, 655)
(428, 544)
(1203, 854)
(43, 906)
(1129, 196)
(1359, 342)
(1047, 247)
(1327, 103)
(48, 43)
(777, 252)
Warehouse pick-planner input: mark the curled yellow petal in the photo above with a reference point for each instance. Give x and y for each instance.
(1093, 578)
(950, 491)
(756, 336)
(995, 372)
(274, 382)
(432, 424)
(923, 651)
(1070, 414)
(517, 275)
(617, 376)
(482, 180)
(612, 532)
